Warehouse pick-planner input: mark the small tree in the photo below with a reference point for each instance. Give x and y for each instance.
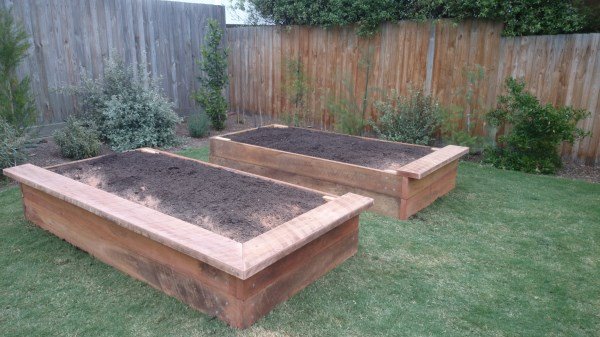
(16, 103)
(214, 76)
(297, 89)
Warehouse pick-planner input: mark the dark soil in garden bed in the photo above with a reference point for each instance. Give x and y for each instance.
(347, 149)
(234, 205)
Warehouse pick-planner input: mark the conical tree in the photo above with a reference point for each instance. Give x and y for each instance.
(214, 76)
(16, 103)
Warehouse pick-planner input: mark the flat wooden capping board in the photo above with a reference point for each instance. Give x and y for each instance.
(239, 259)
(428, 164)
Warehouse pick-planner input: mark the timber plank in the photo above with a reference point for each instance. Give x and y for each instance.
(428, 195)
(238, 283)
(385, 204)
(324, 169)
(428, 164)
(162, 267)
(411, 186)
(195, 241)
(389, 188)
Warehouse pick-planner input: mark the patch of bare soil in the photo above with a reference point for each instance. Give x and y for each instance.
(45, 152)
(234, 123)
(347, 149)
(569, 170)
(582, 172)
(234, 205)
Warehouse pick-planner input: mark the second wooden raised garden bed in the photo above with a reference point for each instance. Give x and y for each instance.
(228, 243)
(401, 178)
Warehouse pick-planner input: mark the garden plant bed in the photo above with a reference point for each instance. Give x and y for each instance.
(401, 178)
(235, 261)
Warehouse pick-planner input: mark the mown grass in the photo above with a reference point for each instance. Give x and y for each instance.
(504, 254)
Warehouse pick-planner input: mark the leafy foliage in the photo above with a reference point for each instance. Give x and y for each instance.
(16, 102)
(297, 89)
(458, 122)
(535, 131)
(12, 145)
(591, 8)
(348, 113)
(78, 139)
(522, 17)
(519, 17)
(128, 108)
(198, 125)
(410, 119)
(214, 76)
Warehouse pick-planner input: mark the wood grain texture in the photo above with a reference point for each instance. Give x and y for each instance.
(426, 193)
(385, 204)
(71, 38)
(322, 169)
(428, 164)
(177, 274)
(195, 241)
(271, 246)
(397, 193)
(238, 302)
(220, 252)
(438, 57)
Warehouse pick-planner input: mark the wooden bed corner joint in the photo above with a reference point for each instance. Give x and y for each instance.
(397, 193)
(236, 282)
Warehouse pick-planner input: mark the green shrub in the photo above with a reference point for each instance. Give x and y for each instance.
(410, 119)
(16, 102)
(519, 17)
(214, 76)
(535, 131)
(12, 145)
(128, 108)
(297, 89)
(78, 139)
(198, 125)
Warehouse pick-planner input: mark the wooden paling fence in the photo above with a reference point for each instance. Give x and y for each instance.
(463, 65)
(74, 37)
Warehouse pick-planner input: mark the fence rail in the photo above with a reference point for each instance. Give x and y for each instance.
(443, 58)
(74, 37)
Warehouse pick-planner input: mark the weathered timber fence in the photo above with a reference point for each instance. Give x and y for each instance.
(443, 58)
(74, 37)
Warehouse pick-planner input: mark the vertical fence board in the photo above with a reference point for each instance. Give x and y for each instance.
(71, 38)
(559, 69)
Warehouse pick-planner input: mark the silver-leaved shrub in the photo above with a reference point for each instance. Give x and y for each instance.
(128, 108)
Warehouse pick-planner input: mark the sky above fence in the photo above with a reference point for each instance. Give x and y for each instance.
(233, 16)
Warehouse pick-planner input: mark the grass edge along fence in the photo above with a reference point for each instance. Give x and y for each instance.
(438, 57)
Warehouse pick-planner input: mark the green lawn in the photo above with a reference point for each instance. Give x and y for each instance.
(504, 254)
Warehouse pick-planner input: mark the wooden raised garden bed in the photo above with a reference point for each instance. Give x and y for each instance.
(228, 243)
(401, 178)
